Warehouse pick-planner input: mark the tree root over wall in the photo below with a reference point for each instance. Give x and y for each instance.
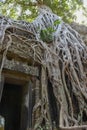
(63, 101)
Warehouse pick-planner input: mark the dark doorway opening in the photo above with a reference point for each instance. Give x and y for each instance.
(10, 106)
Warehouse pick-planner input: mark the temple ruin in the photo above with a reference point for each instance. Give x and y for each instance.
(28, 98)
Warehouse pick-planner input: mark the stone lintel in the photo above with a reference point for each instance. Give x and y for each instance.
(21, 67)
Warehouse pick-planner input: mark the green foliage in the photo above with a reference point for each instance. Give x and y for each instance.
(27, 9)
(57, 22)
(46, 35)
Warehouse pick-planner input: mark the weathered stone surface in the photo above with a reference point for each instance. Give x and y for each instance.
(20, 48)
(82, 30)
(21, 67)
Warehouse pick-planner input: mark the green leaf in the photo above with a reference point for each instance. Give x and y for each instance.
(57, 22)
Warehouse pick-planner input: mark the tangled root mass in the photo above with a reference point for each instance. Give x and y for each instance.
(64, 63)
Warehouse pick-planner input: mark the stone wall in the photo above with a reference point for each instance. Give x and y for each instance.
(82, 29)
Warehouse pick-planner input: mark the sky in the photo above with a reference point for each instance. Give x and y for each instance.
(79, 13)
(85, 2)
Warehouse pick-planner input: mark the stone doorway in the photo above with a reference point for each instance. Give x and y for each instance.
(10, 106)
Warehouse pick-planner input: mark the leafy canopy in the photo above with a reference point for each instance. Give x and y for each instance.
(27, 9)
